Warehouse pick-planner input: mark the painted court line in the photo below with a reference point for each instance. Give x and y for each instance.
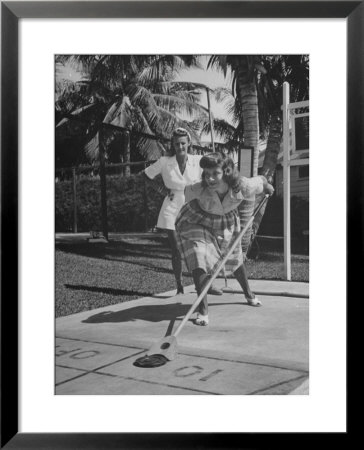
(84, 372)
(272, 366)
(139, 380)
(98, 342)
(189, 388)
(261, 364)
(95, 371)
(259, 391)
(98, 369)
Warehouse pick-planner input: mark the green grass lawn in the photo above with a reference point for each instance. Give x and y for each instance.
(90, 276)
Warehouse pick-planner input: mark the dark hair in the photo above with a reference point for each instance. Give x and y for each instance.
(216, 159)
(180, 132)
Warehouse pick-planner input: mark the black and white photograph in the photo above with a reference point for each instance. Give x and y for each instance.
(181, 186)
(181, 195)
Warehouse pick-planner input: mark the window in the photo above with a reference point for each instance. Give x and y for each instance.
(303, 171)
(302, 133)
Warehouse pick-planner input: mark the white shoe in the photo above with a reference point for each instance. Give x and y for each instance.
(202, 320)
(254, 301)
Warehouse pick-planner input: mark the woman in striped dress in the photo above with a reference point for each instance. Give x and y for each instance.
(209, 223)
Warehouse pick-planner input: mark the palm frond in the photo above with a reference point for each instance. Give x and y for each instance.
(77, 114)
(198, 123)
(80, 63)
(149, 148)
(92, 147)
(178, 104)
(143, 98)
(141, 123)
(219, 62)
(183, 89)
(161, 66)
(119, 114)
(170, 122)
(222, 129)
(222, 94)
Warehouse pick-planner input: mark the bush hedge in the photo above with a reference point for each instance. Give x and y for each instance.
(125, 204)
(127, 211)
(272, 223)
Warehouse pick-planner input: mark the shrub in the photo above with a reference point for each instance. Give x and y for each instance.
(272, 223)
(126, 206)
(129, 211)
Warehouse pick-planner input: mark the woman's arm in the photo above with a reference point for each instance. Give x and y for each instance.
(267, 187)
(154, 179)
(156, 184)
(253, 186)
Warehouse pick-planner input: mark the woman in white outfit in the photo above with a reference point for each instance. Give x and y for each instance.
(178, 170)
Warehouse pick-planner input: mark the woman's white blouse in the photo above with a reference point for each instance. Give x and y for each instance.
(167, 166)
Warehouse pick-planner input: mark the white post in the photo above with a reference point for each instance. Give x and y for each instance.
(286, 185)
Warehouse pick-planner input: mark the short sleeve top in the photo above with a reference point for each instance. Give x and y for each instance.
(173, 179)
(210, 202)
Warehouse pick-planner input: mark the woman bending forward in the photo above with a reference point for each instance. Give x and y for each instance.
(209, 223)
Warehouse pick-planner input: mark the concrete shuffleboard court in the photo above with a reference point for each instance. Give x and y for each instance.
(243, 351)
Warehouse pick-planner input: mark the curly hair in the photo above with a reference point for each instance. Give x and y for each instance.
(180, 132)
(212, 160)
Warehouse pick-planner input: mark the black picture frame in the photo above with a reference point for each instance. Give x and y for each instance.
(11, 13)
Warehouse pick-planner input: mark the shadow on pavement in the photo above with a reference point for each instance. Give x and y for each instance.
(150, 313)
(106, 290)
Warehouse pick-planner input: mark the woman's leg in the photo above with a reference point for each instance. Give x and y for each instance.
(200, 278)
(177, 265)
(242, 277)
(176, 260)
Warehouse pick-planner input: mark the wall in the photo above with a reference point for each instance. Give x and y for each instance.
(299, 186)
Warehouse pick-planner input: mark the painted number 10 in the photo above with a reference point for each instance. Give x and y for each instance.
(189, 371)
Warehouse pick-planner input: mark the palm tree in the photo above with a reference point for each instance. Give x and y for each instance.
(245, 70)
(295, 70)
(128, 92)
(255, 107)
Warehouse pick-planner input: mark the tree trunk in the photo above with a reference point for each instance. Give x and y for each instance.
(249, 100)
(270, 162)
(273, 146)
(126, 153)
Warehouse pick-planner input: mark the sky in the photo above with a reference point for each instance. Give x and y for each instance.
(211, 78)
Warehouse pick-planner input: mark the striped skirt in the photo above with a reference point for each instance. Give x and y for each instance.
(203, 239)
